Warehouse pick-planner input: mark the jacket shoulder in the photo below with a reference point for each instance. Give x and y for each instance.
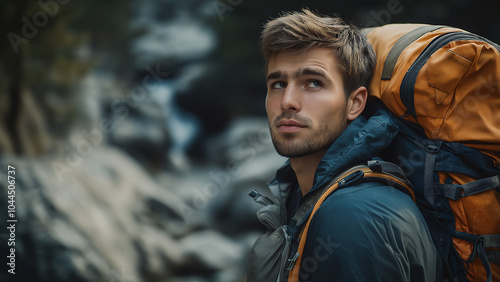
(369, 232)
(368, 201)
(369, 208)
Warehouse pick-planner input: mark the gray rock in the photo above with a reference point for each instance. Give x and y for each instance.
(93, 222)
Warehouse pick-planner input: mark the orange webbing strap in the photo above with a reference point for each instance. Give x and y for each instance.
(294, 273)
(368, 176)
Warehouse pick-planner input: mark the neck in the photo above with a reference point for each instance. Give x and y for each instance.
(305, 167)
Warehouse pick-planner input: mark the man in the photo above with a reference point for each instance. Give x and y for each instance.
(317, 72)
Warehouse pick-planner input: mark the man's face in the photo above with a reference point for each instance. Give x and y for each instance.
(306, 104)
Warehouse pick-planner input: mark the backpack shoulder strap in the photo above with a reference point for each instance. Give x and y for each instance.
(374, 171)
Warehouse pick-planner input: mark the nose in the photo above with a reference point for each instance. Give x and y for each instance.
(290, 102)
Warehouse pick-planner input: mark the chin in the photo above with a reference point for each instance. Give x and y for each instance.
(292, 149)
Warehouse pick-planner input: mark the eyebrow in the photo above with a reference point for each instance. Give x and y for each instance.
(276, 75)
(297, 74)
(309, 71)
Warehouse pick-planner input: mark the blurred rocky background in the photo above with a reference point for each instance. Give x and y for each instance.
(137, 129)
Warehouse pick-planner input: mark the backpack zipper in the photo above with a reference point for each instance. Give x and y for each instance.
(291, 261)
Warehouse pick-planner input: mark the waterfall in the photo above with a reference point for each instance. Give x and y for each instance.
(182, 126)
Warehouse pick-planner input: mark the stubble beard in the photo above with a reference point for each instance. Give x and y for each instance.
(288, 145)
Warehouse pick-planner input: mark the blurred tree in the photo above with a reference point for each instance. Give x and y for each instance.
(50, 46)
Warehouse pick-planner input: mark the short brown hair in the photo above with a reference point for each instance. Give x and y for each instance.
(304, 30)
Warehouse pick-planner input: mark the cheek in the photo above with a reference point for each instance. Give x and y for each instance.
(329, 111)
(272, 103)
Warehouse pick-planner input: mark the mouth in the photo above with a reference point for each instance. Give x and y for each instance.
(289, 126)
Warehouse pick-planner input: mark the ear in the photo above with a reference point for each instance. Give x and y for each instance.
(356, 102)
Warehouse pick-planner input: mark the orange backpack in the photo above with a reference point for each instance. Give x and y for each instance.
(443, 86)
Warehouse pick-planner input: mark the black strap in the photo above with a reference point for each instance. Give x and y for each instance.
(481, 252)
(493, 256)
(455, 191)
(481, 242)
(430, 160)
(403, 42)
(492, 241)
(388, 168)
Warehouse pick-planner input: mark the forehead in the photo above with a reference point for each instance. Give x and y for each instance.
(289, 61)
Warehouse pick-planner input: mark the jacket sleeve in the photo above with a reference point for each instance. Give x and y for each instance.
(370, 233)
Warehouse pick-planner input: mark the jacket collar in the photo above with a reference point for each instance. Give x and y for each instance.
(362, 140)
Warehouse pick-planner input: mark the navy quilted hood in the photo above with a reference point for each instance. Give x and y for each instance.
(362, 140)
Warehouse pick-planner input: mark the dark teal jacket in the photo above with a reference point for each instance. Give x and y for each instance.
(365, 232)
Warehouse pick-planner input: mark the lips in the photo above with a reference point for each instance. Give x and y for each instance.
(289, 126)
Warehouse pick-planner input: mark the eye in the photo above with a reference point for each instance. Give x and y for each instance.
(278, 85)
(314, 84)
